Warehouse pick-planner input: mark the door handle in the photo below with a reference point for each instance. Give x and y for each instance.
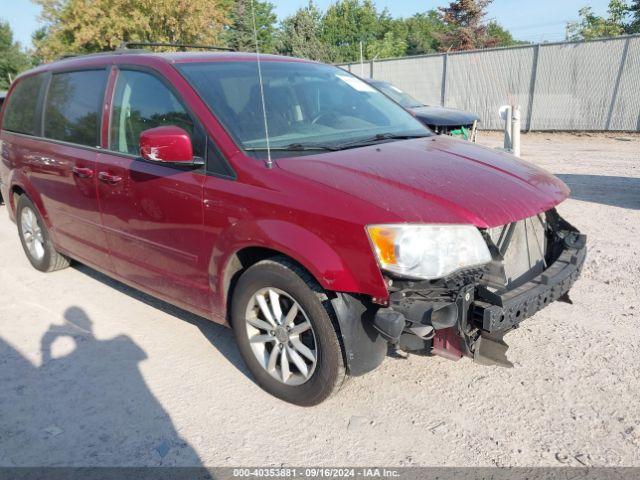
(109, 178)
(82, 172)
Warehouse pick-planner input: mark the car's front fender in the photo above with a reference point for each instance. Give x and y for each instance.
(328, 266)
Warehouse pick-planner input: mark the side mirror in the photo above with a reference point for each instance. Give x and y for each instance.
(168, 144)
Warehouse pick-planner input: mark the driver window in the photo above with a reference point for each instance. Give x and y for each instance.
(141, 102)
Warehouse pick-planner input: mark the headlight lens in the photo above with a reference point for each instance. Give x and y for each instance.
(428, 251)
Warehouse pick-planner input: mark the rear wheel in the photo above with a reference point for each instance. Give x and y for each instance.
(35, 238)
(284, 326)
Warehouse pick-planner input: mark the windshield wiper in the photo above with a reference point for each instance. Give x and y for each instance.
(294, 147)
(380, 137)
(301, 147)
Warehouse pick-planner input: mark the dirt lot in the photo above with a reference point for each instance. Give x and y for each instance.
(94, 373)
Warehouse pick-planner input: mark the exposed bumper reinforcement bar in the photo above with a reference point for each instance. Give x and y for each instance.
(499, 312)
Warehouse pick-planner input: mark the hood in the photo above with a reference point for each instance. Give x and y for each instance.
(444, 117)
(435, 180)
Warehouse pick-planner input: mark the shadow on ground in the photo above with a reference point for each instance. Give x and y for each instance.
(90, 407)
(621, 192)
(219, 336)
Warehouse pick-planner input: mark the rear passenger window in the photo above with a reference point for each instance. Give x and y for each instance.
(141, 101)
(73, 106)
(21, 115)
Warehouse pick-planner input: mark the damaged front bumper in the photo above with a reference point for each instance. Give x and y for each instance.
(497, 312)
(465, 314)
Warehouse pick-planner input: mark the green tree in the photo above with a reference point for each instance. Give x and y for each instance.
(502, 36)
(37, 38)
(399, 27)
(592, 26)
(85, 26)
(240, 35)
(13, 59)
(389, 46)
(346, 23)
(466, 27)
(634, 13)
(299, 35)
(424, 32)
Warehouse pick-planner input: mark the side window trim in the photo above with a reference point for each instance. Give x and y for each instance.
(107, 103)
(212, 148)
(42, 97)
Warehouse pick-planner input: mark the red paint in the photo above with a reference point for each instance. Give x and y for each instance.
(436, 180)
(173, 231)
(166, 144)
(447, 344)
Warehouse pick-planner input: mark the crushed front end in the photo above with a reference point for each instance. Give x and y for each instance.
(534, 262)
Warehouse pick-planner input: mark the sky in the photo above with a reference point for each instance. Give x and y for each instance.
(532, 20)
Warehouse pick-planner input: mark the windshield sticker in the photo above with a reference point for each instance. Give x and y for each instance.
(356, 84)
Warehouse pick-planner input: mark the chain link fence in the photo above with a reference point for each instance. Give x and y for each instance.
(592, 85)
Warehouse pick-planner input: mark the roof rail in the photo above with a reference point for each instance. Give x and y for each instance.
(183, 46)
(67, 56)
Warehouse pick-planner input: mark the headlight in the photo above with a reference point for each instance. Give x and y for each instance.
(427, 251)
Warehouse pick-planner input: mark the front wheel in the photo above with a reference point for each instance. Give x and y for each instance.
(285, 331)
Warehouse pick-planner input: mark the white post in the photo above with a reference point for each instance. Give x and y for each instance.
(507, 127)
(515, 131)
(361, 60)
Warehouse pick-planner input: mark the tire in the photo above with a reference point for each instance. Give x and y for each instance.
(292, 285)
(35, 238)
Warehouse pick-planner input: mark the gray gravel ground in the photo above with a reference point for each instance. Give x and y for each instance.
(95, 373)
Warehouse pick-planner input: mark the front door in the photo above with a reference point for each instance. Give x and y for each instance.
(152, 213)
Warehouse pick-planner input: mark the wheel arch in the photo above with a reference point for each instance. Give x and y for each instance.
(238, 262)
(243, 258)
(15, 192)
(249, 242)
(363, 348)
(20, 185)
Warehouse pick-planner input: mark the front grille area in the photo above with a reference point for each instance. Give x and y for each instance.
(522, 246)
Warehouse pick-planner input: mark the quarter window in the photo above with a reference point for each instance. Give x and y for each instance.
(21, 115)
(73, 106)
(141, 101)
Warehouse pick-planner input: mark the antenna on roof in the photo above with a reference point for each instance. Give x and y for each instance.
(264, 105)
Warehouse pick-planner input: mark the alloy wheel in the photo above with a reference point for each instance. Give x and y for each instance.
(281, 336)
(32, 233)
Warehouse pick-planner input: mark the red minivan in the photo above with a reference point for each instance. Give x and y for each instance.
(287, 199)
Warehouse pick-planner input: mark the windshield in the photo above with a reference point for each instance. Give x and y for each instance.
(307, 105)
(403, 98)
